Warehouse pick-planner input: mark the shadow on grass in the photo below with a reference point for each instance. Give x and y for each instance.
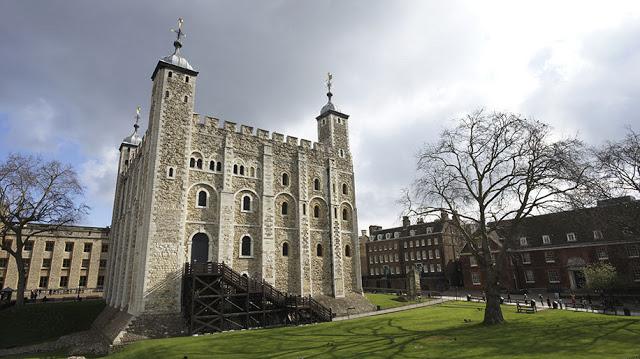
(435, 332)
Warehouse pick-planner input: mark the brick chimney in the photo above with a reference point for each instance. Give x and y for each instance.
(405, 222)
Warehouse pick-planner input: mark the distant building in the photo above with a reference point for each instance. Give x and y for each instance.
(60, 262)
(551, 251)
(431, 247)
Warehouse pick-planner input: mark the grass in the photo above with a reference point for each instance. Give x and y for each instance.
(36, 323)
(431, 332)
(386, 301)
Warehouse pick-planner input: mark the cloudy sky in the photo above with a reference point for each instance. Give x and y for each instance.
(74, 71)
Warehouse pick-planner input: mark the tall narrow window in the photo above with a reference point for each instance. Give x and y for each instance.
(186, 79)
(246, 203)
(166, 94)
(347, 251)
(192, 162)
(170, 172)
(241, 170)
(186, 98)
(212, 165)
(245, 246)
(252, 172)
(316, 211)
(319, 250)
(202, 199)
(235, 169)
(285, 208)
(219, 166)
(344, 188)
(285, 179)
(285, 249)
(170, 74)
(304, 209)
(199, 163)
(345, 214)
(316, 184)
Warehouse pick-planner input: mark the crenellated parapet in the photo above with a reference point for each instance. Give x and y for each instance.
(213, 126)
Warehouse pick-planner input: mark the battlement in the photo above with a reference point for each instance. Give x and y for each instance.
(215, 124)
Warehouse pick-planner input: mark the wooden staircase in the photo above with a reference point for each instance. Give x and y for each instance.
(216, 298)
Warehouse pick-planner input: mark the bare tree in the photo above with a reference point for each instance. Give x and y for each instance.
(33, 191)
(490, 172)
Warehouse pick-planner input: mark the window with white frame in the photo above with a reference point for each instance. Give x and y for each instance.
(435, 241)
(602, 253)
(571, 237)
(430, 254)
(432, 268)
(523, 241)
(424, 254)
(528, 276)
(437, 253)
(405, 245)
(379, 237)
(371, 260)
(396, 234)
(395, 245)
(422, 241)
(554, 276)
(246, 203)
(473, 262)
(635, 272)
(428, 241)
(396, 257)
(439, 267)
(549, 256)
(418, 255)
(411, 244)
(412, 232)
(372, 271)
(406, 256)
(597, 234)
(526, 258)
(429, 230)
(475, 278)
(246, 247)
(387, 235)
(546, 239)
(632, 251)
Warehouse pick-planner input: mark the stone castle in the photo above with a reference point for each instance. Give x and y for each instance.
(198, 189)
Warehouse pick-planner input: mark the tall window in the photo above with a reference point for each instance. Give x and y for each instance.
(602, 253)
(528, 276)
(199, 163)
(344, 188)
(475, 278)
(316, 211)
(632, 251)
(192, 162)
(235, 169)
(285, 179)
(212, 165)
(246, 203)
(202, 199)
(347, 251)
(526, 258)
(285, 249)
(316, 184)
(285, 208)
(345, 214)
(554, 277)
(473, 262)
(319, 250)
(245, 247)
(549, 256)
(241, 170)
(87, 247)
(219, 166)
(546, 239)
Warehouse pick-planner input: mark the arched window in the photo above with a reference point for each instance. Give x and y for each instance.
(246, 203)
(285, 179)
(219, 166)
(166, 94)
(319, 250)
(347, 251)
(212, 165)
(170, 172)
(252, 172)
(285, 208)
(202, 199)
(316, 184)
(344, 188)
(285, 249)
(241, 170)
(235, 169)
(345, 214)
(316, 211)
(170, 73)
(199, 163)
(245, 247)
(192, 162)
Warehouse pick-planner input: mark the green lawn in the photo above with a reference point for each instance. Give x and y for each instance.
(36, 323)
(386, 301)
(431, 332)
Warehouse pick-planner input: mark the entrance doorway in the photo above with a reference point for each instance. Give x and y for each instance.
(200, 248)
(579, 279)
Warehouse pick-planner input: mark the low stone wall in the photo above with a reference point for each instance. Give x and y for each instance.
(342, 306)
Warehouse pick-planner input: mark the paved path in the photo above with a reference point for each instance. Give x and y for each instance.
(396, 309)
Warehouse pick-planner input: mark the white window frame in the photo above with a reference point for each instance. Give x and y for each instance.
(602, 250)
(396, 234)
(198, 195)
(387, 235)
(430, 254)
(250, 247)
(412, 232)
(526, 276)
(429, 230)
(437, 253)
(250, 204)
(571, 237)
(438, 267)
(435, 241)
(556, 278)
(528, 258)
(635, 253)
(475, 278)
(597, 234)
(473, 261)
(523, 241)
(546, 239)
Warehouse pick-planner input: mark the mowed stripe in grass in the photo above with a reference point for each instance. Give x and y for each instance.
(431, 332)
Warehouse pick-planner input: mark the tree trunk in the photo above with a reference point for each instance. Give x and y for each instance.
(21, 281)
(492, 310)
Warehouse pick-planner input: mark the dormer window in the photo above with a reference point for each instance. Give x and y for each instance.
(546, 239)
(523, 241)
(597, 234)
(571, 237)
(429, 230)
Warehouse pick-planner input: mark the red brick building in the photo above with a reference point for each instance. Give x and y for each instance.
(431, 247)
(551, 251)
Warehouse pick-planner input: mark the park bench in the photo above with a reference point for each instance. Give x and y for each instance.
(471, 298)
(525, 308)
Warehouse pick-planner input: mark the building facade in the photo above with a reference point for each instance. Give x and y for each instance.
(60, 262)
(551, 251)
(195, 188)
(431, 247)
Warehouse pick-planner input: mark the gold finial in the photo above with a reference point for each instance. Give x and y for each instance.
(179, 34)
